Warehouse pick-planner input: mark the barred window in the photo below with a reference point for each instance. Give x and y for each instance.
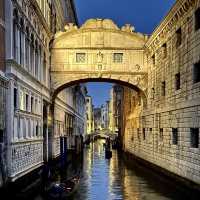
(118, 57)
(163, 88)
(197, 19)
(164, 50)
(152, 93)
(27, 102)
(194, 137)
(178, 37)
(144, 134)
(174, 136)
(153, 60)
(196, 72)
(80, 57)
(15, 98)
(177, 81)
(161, 134)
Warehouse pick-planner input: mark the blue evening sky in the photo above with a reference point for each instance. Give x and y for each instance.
(144, 15)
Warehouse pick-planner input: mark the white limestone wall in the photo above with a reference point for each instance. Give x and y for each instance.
(178, 108)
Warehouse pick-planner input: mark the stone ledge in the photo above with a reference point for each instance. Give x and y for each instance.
(176, 179)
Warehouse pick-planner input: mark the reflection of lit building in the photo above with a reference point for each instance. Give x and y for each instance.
(89, 115)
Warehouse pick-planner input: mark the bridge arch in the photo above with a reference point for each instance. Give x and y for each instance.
(108, 80)
(99, 51)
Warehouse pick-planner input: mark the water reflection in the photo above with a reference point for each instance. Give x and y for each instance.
(112, 179)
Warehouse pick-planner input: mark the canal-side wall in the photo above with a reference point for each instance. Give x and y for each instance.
(166, 131)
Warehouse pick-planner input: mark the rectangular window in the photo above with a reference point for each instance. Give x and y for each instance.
(161, 134)
(163, 88)
(196, 73)
(174, 136)
(177, 81)
(144, 134)
(36, 106)
(194, 137)
(27, 102)
(153, 60)
(150, 132)
(80, 57)
(15, 98)
(44, 69)
(118, 57)
(197, 19)
(178, 37)
(138, 134)
(37, 130)
(164, 50)
(1, 136)
(152, 93)
(32, 100)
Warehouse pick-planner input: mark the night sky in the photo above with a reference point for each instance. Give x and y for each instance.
(144, 15)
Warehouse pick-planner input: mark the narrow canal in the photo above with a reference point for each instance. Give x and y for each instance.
(115, 179)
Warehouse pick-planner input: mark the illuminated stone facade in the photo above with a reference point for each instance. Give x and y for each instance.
(98, 50)
(89, 115)
(29, 27)
(166, 131)
(160, 116)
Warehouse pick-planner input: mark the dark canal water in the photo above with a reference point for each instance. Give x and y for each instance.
(114, 179)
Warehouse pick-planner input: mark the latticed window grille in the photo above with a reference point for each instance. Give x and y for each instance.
(194, 137)
(118, 57)
(80, 57)
(174, 136)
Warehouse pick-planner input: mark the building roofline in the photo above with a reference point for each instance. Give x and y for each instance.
(171, 13)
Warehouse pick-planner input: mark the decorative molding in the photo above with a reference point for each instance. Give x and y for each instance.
(180, 8)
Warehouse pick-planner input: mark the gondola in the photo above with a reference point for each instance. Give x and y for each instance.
(64, 189)
(108, 154)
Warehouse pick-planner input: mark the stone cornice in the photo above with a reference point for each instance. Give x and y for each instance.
(19, 68)
(99, 25)
(179, 9)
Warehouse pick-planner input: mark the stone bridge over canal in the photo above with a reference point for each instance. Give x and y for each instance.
(98, 51)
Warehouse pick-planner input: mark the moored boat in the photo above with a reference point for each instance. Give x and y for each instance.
(64, 189)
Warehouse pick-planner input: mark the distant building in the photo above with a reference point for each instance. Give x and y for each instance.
(97, 119)
(111, 111)
(105, 115)
(115, 112)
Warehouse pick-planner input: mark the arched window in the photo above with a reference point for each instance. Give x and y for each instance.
(27, 47)
(39, 62)
(21, 42)
(36, 59)
(44, 68)
(14, 35)
(32, 54)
